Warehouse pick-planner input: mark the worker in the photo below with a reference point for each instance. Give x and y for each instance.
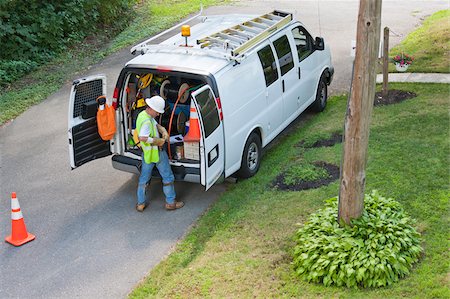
(154, 155)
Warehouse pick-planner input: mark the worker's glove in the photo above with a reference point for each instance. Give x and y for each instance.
(164, 133)
(158, 141)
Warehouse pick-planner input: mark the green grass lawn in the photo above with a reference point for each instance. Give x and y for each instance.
(243, 246)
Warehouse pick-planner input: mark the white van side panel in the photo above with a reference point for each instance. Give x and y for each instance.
(242, 94)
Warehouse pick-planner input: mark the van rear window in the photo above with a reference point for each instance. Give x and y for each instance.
(208, 111)
(268, 64)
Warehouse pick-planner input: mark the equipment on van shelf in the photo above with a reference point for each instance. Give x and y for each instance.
(137, 92)
(180, 95)
(144, 80)
(170, 91)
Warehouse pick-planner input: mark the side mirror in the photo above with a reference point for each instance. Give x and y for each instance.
(319, 43)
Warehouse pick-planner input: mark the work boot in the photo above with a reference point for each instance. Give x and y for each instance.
(174, 206)
(141, 207)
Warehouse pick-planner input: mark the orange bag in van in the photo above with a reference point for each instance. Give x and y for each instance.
(106, 122)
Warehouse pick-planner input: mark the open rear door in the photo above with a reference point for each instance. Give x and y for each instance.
(212, 151)
(85, 143)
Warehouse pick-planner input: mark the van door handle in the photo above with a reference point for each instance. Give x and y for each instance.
(282, 84)
(213, 155)
(299, 73)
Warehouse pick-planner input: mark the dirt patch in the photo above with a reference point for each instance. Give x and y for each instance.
(335, 138)
(333, 174)
(393, 96)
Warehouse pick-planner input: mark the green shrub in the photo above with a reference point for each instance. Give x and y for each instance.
(13, 69)
(378, 249)
(33, 32)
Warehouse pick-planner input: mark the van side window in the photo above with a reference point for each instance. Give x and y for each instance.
(208, 111)
(284, 54)
(303, 42)
(268, 64)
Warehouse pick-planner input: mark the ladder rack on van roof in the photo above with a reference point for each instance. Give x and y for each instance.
(242, 37)
(229, 44)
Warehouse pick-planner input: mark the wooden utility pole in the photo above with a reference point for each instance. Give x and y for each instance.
(384, 91)
(359, 110)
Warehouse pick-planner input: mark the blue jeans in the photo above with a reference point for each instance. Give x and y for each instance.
(166, 174)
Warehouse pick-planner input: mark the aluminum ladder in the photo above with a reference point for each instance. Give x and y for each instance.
(242, 37)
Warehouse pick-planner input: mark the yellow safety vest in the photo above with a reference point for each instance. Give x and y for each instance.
(151, 154)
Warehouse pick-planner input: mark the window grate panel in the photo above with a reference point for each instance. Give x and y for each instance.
(86, 92)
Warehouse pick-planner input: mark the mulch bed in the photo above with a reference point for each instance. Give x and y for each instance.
(335, 138)
(393, 96)
(333, 174)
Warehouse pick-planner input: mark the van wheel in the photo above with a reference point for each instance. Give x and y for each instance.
(251, 157)
(321, 96)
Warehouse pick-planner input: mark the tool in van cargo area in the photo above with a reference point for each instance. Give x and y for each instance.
(131, 99)
(180, 94)
(106, 122)
(144, 81)
(19, 234)
(138, 104)
(168, 90)
(181, 122)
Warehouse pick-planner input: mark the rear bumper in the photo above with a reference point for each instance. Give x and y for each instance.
(126, 164)
(181, 173)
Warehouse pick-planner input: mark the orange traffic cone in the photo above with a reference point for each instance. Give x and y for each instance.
(193, 135)
(19, 234)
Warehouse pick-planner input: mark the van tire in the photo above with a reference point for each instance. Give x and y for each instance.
(251, 157)
(321, 95)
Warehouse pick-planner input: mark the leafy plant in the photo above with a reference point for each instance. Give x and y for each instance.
(403, 59)
(378, 249)
(34, 33)
(304, 172)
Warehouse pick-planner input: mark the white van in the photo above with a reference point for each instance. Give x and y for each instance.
(245, 77)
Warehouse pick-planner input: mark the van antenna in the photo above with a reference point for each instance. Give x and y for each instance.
(318, 13)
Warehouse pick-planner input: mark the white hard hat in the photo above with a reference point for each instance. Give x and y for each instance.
(156, 103)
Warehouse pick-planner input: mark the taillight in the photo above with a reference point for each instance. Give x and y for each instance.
(219, 105)
(115, 96)
(163, 69)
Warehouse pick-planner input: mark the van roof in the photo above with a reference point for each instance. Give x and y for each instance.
(172, 55)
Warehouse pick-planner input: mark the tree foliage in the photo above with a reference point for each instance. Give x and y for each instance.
(32, 32)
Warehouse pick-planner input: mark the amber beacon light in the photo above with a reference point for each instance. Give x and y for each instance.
(186, 31)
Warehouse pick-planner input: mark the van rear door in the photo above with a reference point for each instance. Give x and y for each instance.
(85, 143)
(212, 151)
